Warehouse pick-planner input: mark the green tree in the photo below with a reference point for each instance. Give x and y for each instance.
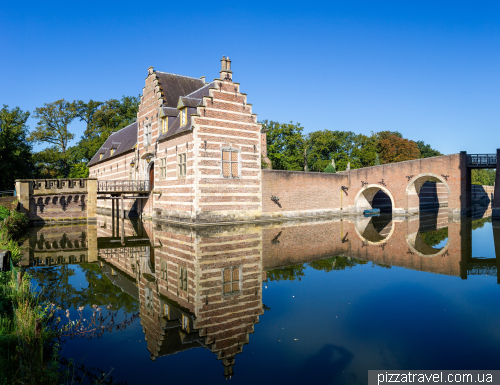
(285, 145)
(426, 151)
(15, 151)
(102, 119)
(482, 176)
(52, 128)
(342, 146)
(330, 168)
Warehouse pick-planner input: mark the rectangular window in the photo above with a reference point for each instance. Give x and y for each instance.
(181, 164)
(163, 168)
(164, 269)
(183, 116)
(164, 127)
(231, 281)
(166, 311)
(230, 164)
(147, 134)
(182, 278)
(112, 151)
(100, 156)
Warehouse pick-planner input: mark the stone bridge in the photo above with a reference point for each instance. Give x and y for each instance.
(402, 187)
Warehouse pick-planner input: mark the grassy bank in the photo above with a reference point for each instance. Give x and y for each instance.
(27, 347)
(32, 331)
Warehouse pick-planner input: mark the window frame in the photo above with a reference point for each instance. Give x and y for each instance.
(181, 155)
(163, 167)
(183, 116)
(164, 125)
(183, 279)
(231, 150)
(147, 134)
(232, 292)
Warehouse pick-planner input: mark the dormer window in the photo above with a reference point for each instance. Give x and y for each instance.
(100, 156)
(164, 125)
(183, 116)
(111, 152)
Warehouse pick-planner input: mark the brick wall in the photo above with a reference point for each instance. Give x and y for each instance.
(301, 193)
(226, 121)
(58, 200)
(479, 192)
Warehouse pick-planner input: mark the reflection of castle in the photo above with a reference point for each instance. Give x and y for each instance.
(201, 287)
(196, 288)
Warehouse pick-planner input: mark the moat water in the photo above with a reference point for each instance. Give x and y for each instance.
(282, 302)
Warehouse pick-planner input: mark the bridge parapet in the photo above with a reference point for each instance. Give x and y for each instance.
(482, 160)
(65, 199)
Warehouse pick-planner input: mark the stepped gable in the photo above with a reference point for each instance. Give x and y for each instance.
(121, 141)
(191, 101)
(173, 86)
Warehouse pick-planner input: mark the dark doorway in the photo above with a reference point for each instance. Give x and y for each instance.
(382, 201)
(152, 176)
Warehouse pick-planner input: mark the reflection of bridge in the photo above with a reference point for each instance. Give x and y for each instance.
(201, 287)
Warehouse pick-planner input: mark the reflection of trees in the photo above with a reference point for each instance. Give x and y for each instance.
(478, 223)
(290, 273)
(57, 289)
(434, 237)
(336, 263)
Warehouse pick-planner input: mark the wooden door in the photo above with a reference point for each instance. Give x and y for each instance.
(152, 177)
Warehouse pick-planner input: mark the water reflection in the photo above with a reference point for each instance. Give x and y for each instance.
(202, 287)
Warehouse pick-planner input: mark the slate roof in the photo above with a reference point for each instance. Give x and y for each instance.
(176, 127)
(121, 141)
(191, 101)
(188, 102)
(170, 111)
(174, 86)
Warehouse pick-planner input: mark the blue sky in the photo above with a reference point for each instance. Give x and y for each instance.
(427, 69)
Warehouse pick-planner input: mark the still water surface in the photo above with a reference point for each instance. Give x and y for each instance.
(280, 302)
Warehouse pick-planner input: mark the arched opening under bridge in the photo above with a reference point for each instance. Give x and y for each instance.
(427, 192)
(374, 196)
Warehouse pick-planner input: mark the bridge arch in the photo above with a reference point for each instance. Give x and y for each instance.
(372, 233)
(364, 198)
(418, 246)
(416, 198)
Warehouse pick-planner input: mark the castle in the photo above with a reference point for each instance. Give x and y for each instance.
(197, 143)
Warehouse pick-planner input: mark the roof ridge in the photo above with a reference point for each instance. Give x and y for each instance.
(184, 76)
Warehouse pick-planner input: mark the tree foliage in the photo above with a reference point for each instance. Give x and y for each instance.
(394, 148)
(341, 146)
(52, 129)
(15, 151)
(426, 151)
(483, 176)
(102, 119)
(285, 145)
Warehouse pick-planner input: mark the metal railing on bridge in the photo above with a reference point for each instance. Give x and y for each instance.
(482, 160)
(110, 186)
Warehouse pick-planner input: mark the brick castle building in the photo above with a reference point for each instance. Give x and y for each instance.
(199, 145)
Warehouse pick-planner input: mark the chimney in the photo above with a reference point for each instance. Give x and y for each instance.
(225, 72)
(203, 78)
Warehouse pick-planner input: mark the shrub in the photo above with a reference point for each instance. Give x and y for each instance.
(330, 168)
(4, 213)
(16, 224)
